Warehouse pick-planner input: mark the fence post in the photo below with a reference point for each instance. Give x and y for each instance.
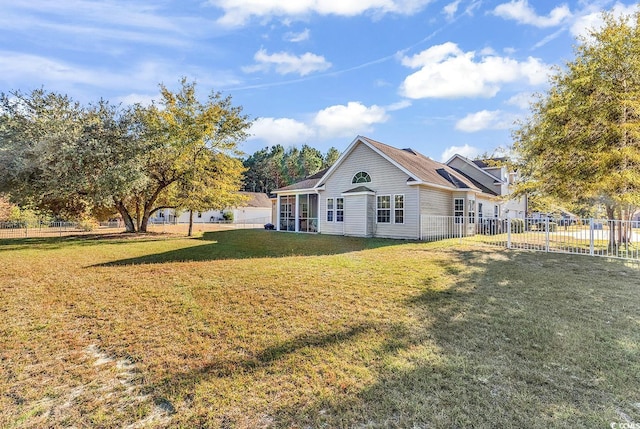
(508, 233)
(460, 232)
(546, 229)
(591, 246)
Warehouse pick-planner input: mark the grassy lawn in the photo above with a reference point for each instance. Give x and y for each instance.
(253, 329)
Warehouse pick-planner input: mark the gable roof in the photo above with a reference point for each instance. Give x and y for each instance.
(479, 165)
(419, 168)
(308, 182)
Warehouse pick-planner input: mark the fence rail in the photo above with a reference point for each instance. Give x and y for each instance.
(20, 229)
(58, 229)
(595, 237)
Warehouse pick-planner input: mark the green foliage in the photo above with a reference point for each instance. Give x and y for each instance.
(72, 160)
(582, 141)
(228, 216)
(517, 225)
(275, 167)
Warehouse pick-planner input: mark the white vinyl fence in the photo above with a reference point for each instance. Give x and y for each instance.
(595, 237)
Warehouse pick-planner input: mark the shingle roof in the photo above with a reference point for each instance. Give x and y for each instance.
(303, 184)
(358, 189)
(423, 168)
(257, 199)
(419, 167)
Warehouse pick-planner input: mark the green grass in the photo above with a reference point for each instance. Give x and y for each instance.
(262, 329)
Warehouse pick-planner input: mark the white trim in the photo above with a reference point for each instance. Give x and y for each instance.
(390, 208)
(299, 191)
(394, 209)
(361, 171)
(346, 194)
(340, 221)
(333, 210)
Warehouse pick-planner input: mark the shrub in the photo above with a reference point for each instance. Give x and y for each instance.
(228, 216)
(87, 224)
(517, 225)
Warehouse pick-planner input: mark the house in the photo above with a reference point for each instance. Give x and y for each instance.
(492, 173)
(257, 210)
(376, 190)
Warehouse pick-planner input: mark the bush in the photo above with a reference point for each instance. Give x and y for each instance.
(228, 216)
(87, 224)
(517, 225)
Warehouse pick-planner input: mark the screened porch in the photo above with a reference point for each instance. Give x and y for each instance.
(298, 213)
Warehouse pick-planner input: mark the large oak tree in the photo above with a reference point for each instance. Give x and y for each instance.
(61, 156)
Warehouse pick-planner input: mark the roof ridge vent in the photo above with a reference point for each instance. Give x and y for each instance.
(408, 149)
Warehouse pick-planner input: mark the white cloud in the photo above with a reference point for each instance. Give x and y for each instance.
(521, 12)
(448, 72)
(284, 131)
(142, 99)
(451, 9)
(592, 18)
(352, 119)
(286, 63)
(298, 37)
(466, 151)
(484, 120)
(237, 13)
(334, 121)
(521, 100)
(402, 104)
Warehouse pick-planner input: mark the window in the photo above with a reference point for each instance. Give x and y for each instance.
(339, 209)
(383, 208)
(471, 204)
(480, 214)
(496, 211)
(361, 177)
(398, 205)
(329, 209)
(458, 209)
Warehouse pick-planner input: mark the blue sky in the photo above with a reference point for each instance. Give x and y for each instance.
(437, 76)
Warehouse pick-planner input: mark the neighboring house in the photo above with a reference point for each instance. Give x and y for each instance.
(256, 210)
(375, 190)
(492, 175)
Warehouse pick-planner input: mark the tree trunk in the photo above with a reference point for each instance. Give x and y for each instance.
(190, 224)
(126, 217)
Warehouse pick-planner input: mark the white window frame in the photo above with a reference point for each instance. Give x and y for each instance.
(353, 179)
(458, 214)
(496, 211)
(339, 209)
(331, 210)
(381, 209)
(397, 209)
(471, 211)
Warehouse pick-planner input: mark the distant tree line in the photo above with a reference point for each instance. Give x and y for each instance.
(274, 167)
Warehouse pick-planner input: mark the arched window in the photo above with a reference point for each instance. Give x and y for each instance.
(361, 177)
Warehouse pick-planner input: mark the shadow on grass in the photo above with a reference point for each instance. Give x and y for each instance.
(242, 244)
(55, 242)
(263, 358)
(521, 340)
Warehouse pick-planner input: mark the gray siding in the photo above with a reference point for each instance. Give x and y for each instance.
(478, 175)
(436, 202)
(355, 220)
(386, 179)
